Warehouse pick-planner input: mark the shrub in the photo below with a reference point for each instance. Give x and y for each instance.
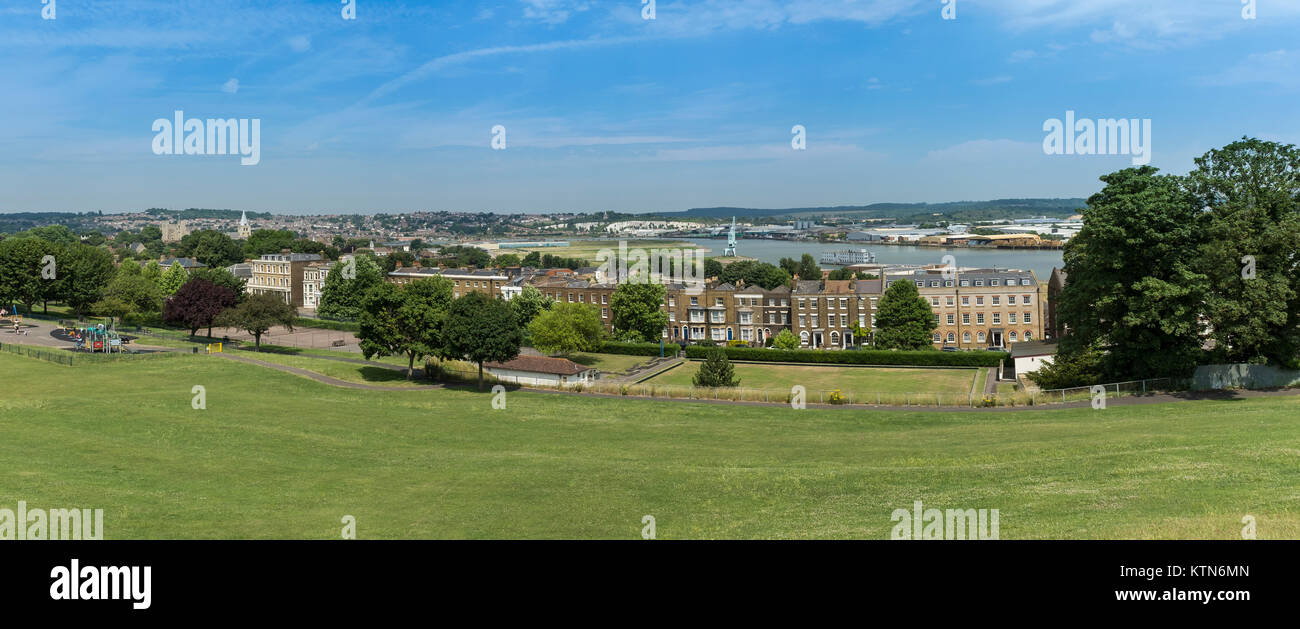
(634, 349)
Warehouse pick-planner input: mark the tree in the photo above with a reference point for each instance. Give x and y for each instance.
(1252, 190)
(221, 277)
(790, 266)
(257, 315)
(1133, 289)
(808, 269)
(173, 279)
(1081, 369)
(84, 274)
(22, 261)
(637, 311)
(212, 248)
(716, 371)
(506, 259)
(754, 273)
(152, 272)
(903, 318)
(785, 339)
(567, 328)
(481, 329)
(196, 304)
(529, 303)
(342, 296)
(406, 320)
(264, 241)
(713, 268)
(127, 294)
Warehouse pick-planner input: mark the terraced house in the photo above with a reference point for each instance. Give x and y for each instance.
(975, 309)
(981, 308)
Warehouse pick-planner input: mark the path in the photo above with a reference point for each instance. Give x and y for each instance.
(298, 371)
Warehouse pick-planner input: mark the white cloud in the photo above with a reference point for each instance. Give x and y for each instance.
(231, 86)
(1279, 67)
(553, 11)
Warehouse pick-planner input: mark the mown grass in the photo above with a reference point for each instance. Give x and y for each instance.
(860, 381)
(280, 456)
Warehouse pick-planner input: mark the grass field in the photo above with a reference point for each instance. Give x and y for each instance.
(280, 456)
(859, 380)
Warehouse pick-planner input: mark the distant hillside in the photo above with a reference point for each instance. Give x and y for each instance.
(956, 210)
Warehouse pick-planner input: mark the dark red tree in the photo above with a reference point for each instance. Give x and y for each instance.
(197, 304)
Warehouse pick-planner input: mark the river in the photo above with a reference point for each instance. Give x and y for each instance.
(1040, 261)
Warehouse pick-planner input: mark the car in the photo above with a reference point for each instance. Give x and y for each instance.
(949, 348)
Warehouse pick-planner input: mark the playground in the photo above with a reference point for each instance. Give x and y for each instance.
(78, 336)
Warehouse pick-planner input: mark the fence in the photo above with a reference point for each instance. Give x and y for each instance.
(70, 358)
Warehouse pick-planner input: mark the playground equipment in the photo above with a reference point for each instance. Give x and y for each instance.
(97, 338)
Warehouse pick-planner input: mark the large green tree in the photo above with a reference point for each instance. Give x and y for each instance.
(84, 275)
(1134, 291)
(173, 279)
(755, 273)
(22, 261)
(481, 329)
(406, 320)
(257, 315)
(903, 318)
(345, 287)
(529, 303)
(212, 248)
(808, 269)
(1250, 239)
(637, 311)
(567, 328)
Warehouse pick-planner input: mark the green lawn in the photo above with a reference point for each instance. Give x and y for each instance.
(858, 380)
(280, 456)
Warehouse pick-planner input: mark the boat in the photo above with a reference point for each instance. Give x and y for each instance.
(848, 257)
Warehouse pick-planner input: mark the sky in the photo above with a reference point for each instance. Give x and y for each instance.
(603, 109)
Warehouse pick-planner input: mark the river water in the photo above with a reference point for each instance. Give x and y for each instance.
(1040, 261)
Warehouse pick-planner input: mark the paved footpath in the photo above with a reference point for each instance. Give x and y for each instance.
(1135, 400)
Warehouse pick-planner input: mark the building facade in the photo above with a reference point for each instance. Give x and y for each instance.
(281, 274)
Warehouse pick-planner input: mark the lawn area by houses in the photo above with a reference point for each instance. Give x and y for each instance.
(859, 380)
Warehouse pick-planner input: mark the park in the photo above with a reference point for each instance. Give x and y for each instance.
(276, 455)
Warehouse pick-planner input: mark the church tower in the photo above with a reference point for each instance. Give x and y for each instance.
(245, 230)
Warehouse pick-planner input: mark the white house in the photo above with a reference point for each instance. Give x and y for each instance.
(1030, 356)
(540, 371)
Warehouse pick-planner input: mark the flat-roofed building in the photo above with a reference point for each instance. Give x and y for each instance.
(281, 274)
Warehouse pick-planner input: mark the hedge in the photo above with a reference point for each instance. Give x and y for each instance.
(856, 357)
(636, 349)
(327, 324)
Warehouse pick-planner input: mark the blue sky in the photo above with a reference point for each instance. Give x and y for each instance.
(603, 110)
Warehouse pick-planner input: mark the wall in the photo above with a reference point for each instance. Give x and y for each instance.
(1240, 376)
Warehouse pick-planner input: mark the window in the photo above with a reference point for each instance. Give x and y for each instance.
(1027, 318)
(979, 282)
(965, 301)
(952, 338)
(979, 301)
(802, 305)
(1013, 336)
(965, 318)
(934, 301)
(844, 303)
(803, 338)
(695, 301)
(934, 283)
(746, 317)
(1011, 317)
(936, 338)
(604, 314)
(1024, 299)
(582, 298)
(965, 282)
(1011, 300)
(951, 301)
(1029, 336)
(997, 300)
(745, 334)
(994, 282)
(979, 318)
(997, 318)
(672, 316)
(844, 321)
(981, 337)
(950, 319)
(965, 337)
(920, 284)
(1026, 283)
(803, 321)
